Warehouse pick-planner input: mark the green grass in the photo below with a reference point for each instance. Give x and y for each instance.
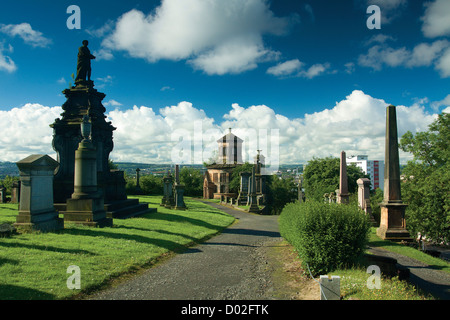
(411, 252)
(354, 286)
(354, 280)
(34, 266)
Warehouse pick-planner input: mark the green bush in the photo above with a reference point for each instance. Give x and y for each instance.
(326, 236)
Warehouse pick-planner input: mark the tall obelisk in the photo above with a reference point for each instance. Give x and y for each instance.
(343, 183)
(392, 221)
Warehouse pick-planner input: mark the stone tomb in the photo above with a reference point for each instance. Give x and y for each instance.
(36, 210)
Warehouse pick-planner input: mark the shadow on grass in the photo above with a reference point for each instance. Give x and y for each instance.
(44, 248)
(10, 292)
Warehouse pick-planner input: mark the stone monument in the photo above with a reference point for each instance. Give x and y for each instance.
(178, 190)
(364, 197)
(36, 210)
(392, 221)
(252, 200)
(86, 205)
(244, 188)
(83, 99)
(342, 195)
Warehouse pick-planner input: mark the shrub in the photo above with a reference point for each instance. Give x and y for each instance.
(326, 236)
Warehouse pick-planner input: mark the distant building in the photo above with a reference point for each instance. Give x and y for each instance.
(374, 168)
(218, 175)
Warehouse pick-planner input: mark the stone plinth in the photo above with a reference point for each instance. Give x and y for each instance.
(86, 205)
(392, 220)
(179, 197)
(36, 210)
(252, 199)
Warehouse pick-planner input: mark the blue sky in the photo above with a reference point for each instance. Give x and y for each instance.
(236, 63)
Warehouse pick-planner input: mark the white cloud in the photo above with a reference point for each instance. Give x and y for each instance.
(436, 20)
(6, 63)
(285, 68)
(26, 32)
(390, 9)
(215, 36)
(443, 65)
(112, 103)
(356, 124)
(26, 131)
(295, 68)
(423, 54)
(443, 103)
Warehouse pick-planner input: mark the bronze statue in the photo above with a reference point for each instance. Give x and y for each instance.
(84, 63)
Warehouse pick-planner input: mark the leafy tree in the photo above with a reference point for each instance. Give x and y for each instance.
(280, 192)
(193, 181)
(235, 182)
(321, 176)
(426, 186)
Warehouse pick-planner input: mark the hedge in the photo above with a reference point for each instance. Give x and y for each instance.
(326, 236)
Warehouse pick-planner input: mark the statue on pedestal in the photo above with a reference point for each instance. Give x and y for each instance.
(84, 63)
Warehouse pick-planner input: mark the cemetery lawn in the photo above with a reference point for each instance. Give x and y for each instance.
(35, 266)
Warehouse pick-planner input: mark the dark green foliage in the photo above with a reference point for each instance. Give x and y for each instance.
(280, 192)
(426, 187)
(326, 236)
(235, 182)
(321, 176)
(192, 180)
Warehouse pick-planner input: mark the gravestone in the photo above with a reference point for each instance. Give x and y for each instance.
(392, 221)
(168, 199)
(178, 190)
(36, 210)
(86, 205)
(15, 192)
(138, 189)
(2, 194)
(343, 196)
(364, 197)
(244, 188)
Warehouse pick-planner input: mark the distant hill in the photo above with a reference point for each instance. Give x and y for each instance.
(8, 169)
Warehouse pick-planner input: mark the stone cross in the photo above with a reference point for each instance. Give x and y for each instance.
(392, 221)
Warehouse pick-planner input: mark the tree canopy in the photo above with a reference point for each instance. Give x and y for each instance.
(426, 187)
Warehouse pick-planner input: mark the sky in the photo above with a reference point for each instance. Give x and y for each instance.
(295, 79)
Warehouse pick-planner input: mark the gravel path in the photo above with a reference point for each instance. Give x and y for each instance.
(226, 267)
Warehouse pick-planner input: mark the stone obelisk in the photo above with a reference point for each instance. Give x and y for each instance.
(343, 183)
(392, 221)
(253, 205)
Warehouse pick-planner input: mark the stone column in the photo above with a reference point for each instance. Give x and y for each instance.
(343, 183)
(138, 189)
(36, 210)
(252, 193)
(2, 194)
(86, 206)
(392, 221)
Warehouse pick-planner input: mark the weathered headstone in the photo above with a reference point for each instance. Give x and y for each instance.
(244, 188)
(343, 196)
(178, 191)
(392, 221)
(36, 210)
(15, 192)
(2, 194)
(86, 205)
(168, 200)
(364, 197)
